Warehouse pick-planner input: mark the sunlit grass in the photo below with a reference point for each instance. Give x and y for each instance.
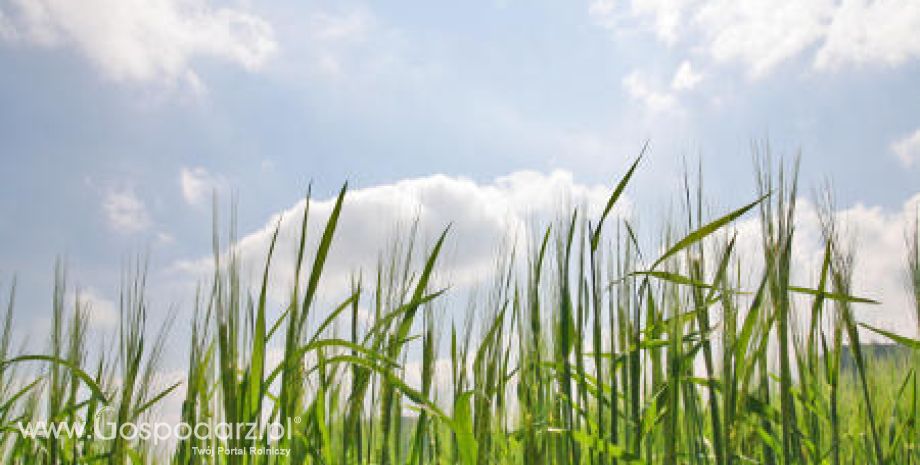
(586, 348)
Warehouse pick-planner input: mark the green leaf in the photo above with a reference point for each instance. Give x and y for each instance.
(155, 399)
(88, 380)
(617, 192)
(706, 230)
(601, 445)
(681, 279)
(833, 296)
(319, 260)
(257, 367)
(463, 428)
(903, 340)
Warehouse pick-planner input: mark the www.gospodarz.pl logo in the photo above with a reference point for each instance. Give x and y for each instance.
(106, 427)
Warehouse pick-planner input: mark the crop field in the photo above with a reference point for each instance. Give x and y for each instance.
(586, 348)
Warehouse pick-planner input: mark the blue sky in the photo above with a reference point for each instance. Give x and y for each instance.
(118, 118)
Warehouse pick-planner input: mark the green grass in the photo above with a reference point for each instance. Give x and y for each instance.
(586, 349)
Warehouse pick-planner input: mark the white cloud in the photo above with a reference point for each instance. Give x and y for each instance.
(125, 212)
(483, 217)
(667, 16)
(487, 216)
(641, 89)
(877, 238)
(908, 148)
(762, 34)
(198, 184)
(881, 267)
(872, 32)
(100, 311)
(658, 97)
(663, 17)
(685, 78)
(6, 28)
(143, 40)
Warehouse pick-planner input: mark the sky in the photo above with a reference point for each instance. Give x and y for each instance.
(120, 118)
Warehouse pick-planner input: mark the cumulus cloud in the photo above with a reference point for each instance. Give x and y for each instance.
(879, 240)
(483, 217)
(125, 212)
(656, 96)
(872, 32)
(686, 78)
(641, 89)
(665, 17)
(877, 237)
(761, 34)
(198, 184)
(101, 312)
(142, 40)
(908, 148)
(487, 217)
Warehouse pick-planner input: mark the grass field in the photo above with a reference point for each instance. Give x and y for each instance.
(586, 349)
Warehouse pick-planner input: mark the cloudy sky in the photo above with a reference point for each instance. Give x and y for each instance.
(119, 118)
